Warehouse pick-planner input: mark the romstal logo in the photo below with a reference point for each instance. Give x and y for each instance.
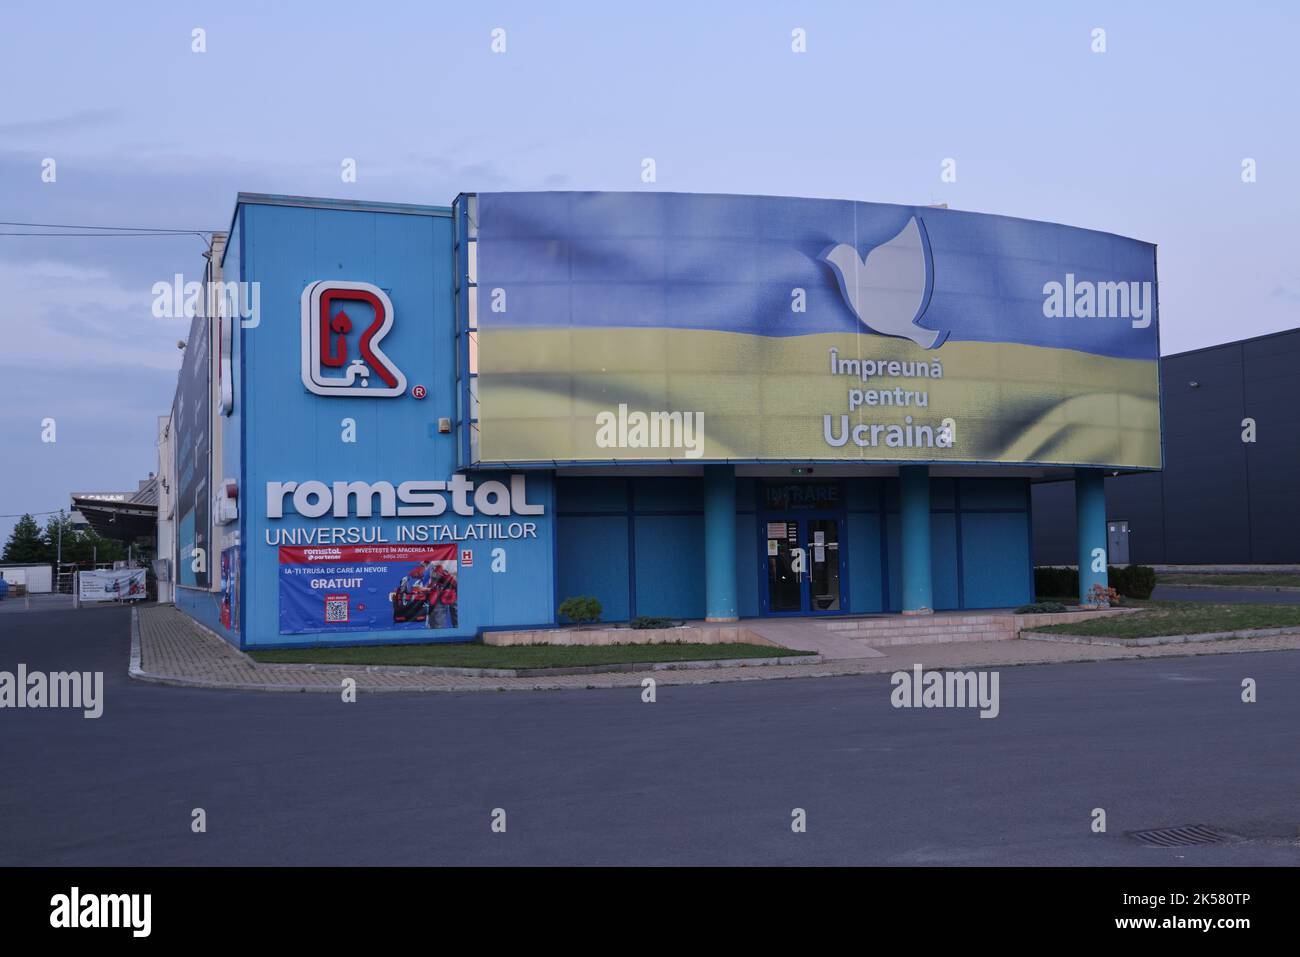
(328, 326)
(889, 289)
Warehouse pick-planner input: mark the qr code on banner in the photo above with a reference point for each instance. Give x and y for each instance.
(336, 608)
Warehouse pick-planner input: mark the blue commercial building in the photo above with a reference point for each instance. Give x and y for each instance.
(402, 423)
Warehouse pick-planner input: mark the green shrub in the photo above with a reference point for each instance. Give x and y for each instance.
(1041, 608)
(645, 622)
(1131, 581)
(581, 609)
(1056, 582)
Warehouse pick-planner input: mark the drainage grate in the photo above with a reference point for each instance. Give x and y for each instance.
(1191, 835)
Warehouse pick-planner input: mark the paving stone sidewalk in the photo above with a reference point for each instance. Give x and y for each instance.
(171, 649)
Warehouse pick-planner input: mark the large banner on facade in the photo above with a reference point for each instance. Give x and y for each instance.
(191, 420)
(659, 326)
(346, 588)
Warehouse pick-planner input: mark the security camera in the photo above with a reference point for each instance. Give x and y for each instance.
(180, 343)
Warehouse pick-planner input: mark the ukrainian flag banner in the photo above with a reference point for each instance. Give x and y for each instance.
(668, 327)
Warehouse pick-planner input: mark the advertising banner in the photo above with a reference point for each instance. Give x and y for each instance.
(191, 419)
(126, 584)
(670, 327)
(230, 588)
(346, 588)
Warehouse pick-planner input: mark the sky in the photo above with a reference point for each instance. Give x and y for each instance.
(1146, 139)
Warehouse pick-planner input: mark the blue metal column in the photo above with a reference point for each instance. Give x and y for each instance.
(720, 603)
(1090, 516)
(914, 520)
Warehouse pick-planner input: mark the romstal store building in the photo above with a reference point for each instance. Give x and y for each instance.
(411, 423)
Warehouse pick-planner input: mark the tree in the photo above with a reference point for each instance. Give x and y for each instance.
(82, 547)
(25, 545)
(91, 547)
(60, 520)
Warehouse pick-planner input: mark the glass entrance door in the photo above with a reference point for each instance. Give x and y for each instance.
(785, 578)
(823, 542)
(803, 566)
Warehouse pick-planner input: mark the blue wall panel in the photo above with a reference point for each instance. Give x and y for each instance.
(591, 559)
(943, 560)
(943, 493)
(670, 566)
(996, 559)
(865, 572)
(747, 555)
(982, 493)
(746, 494)
(747, 565)
(862, 494)
(662, 494)
(585, 495)
(894, 550)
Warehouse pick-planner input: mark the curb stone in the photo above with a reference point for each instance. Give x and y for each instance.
(1159, 639)
(1281, 588)
(204, 684)
(133, 668)
(614, 668)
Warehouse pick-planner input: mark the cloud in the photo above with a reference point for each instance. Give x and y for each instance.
(66, 314)
(69, 123)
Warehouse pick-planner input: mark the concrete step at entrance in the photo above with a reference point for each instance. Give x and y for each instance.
(884, 630)
(893, 623)
(885, 639)
(806, 636)
(925, 629)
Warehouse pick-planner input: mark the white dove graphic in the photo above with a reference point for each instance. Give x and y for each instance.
(886, 290)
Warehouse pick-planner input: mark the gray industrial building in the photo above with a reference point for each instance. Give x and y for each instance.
(1220, 499)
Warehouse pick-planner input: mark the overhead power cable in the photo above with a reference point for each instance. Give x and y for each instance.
(129, 229)
(107, 235)
(48, 230)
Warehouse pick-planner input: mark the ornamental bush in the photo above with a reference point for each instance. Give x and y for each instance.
(1131, 581)
(581, 609)
(1041, 608)
(642, 622)
(1056, 582)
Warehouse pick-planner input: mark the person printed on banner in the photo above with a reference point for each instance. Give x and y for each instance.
(410, 600)
(450, 594)
(442, 596)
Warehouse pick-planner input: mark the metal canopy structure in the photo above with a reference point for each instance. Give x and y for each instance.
(119, 520)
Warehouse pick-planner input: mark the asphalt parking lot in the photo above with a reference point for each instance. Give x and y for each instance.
(705, 775)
